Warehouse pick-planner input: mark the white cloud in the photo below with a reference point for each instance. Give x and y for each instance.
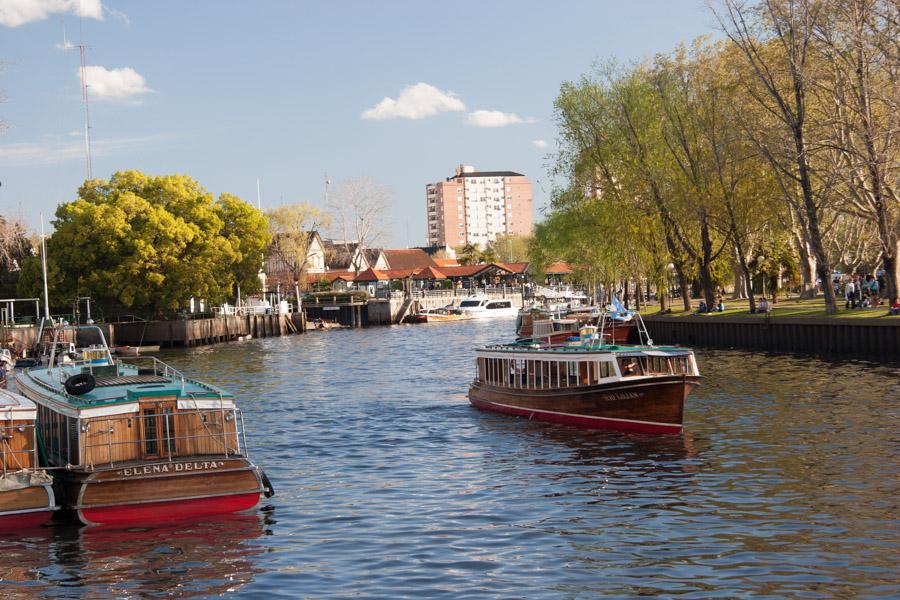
(56, 151)
(19, 12)
(114, 84)
(493, 118)
(416, 102)
(539, 143)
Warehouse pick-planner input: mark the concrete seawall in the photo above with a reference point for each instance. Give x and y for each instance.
(856, 338)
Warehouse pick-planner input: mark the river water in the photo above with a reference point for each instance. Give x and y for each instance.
(784, 484)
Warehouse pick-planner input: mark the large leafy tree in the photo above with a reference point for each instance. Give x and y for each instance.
(152, 242)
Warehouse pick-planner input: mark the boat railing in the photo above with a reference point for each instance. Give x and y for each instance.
(14, 455)
(159, 368)
(158, 437)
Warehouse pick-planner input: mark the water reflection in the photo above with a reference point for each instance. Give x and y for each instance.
(209, 557)
(389, 484)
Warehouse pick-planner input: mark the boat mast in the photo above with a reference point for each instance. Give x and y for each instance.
(44, 269)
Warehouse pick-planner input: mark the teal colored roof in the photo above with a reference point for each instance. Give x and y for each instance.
(110, 393)
(612, 349)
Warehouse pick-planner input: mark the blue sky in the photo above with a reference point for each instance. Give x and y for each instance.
(230, 91)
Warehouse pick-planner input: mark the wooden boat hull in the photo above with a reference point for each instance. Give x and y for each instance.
(645, 406)
(26, 508)
(156, 493)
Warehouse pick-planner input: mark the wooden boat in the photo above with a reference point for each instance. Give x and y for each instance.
(134, 350)
(133, 441)
(437, 315)
(556, 328)
(587, 384)
(26, 493)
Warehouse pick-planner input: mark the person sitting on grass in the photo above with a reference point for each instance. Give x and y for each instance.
(763, 306)
(702, 307)
(894, 310)
(720, 305)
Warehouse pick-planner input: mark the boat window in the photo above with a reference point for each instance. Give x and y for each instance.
(629, 366)
(680, 365)
(151, 434)
(469, 303)
(500, 304)
(169, 429)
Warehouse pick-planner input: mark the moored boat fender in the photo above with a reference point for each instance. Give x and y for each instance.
(82, 383)
(268, 490)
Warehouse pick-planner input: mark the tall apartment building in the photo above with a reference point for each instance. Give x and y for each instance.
(474, 207)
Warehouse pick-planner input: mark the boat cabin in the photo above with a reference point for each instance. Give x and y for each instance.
(17, 433)
(555, 368)
(95, 411)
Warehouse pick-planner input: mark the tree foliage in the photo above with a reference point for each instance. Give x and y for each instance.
(153, 242)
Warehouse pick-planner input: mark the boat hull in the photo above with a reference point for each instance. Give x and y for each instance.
(148, 494)
(646, 406)
(26, 508)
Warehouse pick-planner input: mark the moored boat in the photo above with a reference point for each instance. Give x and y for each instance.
(133, 441)
(26, 494)
(437, 315)
(482, 307)
(629, 388)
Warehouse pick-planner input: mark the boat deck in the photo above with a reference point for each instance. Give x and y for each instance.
(125, 384)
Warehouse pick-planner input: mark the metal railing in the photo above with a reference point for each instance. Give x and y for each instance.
(163, 436)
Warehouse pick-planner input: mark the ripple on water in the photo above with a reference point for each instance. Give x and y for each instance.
(390, 485)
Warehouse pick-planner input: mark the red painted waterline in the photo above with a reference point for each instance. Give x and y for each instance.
(25, 520)
(578, 420)
(151, 513)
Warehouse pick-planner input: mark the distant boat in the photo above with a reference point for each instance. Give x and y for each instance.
(26, 493)
(135, 442)
(482, 307)
(437, 315)
(587, 384)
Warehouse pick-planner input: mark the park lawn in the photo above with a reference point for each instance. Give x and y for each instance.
(793, 308)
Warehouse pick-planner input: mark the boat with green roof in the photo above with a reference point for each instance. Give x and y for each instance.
(135, 441)
(587, 383)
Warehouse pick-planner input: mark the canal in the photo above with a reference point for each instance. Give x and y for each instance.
(389, 484)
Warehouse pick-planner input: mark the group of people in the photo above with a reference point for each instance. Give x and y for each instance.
(719, 306)
(860, 292)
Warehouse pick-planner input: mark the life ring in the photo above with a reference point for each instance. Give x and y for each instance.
(82, 383)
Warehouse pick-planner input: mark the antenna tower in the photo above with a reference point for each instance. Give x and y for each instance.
(87, 115)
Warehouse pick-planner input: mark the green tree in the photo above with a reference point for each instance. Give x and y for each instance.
(247, 231)
(151, 243)
(293, 228)
(511, 248)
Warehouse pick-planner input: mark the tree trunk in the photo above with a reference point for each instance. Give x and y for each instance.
(705, 264)
(625, 298)
(637, 293)
(685, 289)
(891, 274)
(747, 275)
(662, 291)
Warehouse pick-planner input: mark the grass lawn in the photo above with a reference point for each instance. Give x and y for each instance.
(793, 307)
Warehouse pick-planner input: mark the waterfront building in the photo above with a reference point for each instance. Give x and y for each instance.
(474, 207)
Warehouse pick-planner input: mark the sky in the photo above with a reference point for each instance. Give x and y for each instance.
(229, 91)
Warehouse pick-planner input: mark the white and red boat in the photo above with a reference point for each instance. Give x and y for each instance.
(26, 493)
(133, 441)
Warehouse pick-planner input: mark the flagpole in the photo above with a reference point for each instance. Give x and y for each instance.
(44, 268)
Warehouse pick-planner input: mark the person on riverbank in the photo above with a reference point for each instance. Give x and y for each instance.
(850, 293)
(763, 306)
(720, 304)
(894, 310)
(874, 290)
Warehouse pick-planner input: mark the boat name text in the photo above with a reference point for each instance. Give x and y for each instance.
(205, 465)
(623, 396)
